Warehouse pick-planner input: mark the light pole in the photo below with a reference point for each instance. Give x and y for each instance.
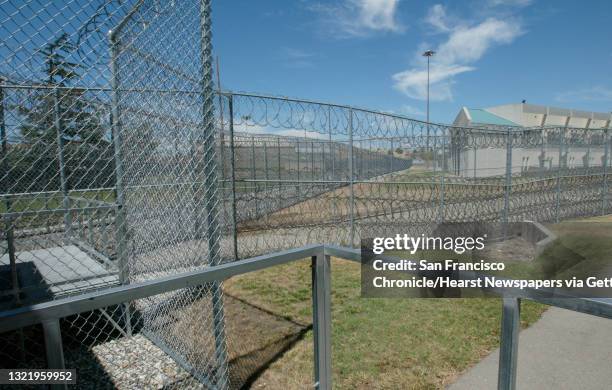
(428, 54)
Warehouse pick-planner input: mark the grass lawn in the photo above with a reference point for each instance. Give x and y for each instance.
(406, 343)
(377, 343)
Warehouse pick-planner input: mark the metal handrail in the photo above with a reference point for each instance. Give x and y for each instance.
(49, 313)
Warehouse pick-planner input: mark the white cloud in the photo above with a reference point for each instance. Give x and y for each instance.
(437, 18)
(377, 14)
(354, 18)
(413, 82)
(464, 45)
(598, 93)
(468, 44)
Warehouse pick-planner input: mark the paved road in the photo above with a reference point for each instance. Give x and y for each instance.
(563, 350)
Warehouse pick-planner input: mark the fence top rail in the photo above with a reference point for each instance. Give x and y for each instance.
(39, 313)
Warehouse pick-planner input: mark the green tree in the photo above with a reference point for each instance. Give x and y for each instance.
(85, 145)
(79, 118)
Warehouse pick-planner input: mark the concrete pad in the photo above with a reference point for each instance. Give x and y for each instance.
(563, 350)
(64, 270)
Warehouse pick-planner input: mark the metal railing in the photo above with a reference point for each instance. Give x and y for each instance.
(48, 314)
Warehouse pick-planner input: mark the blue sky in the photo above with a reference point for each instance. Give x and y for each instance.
(367, 52)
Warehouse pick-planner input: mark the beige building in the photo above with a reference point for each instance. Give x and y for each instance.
(580, 150)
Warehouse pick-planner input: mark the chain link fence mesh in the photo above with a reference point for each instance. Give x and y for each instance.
(120, 165)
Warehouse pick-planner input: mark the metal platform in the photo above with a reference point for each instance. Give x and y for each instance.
(56, 272)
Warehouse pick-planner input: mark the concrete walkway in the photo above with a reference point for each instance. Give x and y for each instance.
(563, 350)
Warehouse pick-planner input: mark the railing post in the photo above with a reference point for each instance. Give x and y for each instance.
(53, 347)
(57, 123)
(321, 320)
(605, 162)
(233, 176)
(351, 181)
(508, 351)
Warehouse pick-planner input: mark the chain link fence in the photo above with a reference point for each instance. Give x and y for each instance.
(120, 165)
(300, 172)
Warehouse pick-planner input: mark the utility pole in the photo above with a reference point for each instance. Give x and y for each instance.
(428, 54)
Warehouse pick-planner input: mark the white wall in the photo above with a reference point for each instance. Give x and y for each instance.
(492, 161)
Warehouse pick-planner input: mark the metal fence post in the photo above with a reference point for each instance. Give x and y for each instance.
(10, 240)
(57, 123)
(508, 184)
(605, 162)
(435, 149)
(297, 187)
(542, 156)
(254, 176)
(351, 181)
(323, 168)
(121, 234)
(312, 161)
(233, 176)
(372, 163)
(221, 136)
(475, 160)
(561, 164)
(331, 145)
(321, 320)
(10, 237)
(442, 178)
(53, 347)
(265, 157)
(360, 157)
(508, 351)
(587, 155)
(392, 157)
(280, 183)
(211, 193)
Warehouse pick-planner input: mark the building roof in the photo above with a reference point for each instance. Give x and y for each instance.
(519, 115)
(481, 116)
